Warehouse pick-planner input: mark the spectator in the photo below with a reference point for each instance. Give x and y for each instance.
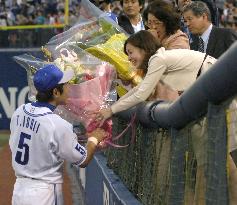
(210, 4)
(130, 19)
(10, 17)
(15, 8)
(51, 19)
(3, 20)
(61, 17)
(40, 19)
(229, 16)
(21, 20)
(211, 40)
(180, 5)
(220, 6)
(116, 7)
(105, 5)
(60, 5)
(177, 68)
(164, 23)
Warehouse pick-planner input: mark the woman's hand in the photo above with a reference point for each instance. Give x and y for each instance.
(103, 115)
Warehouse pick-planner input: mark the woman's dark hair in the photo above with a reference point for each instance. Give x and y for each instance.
(145, 41)
(166, 13)
(47, 96)
(145, 17)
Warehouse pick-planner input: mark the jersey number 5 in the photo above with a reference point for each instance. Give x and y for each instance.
(22, 155)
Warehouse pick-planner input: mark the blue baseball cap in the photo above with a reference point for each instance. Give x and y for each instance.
(50, 76)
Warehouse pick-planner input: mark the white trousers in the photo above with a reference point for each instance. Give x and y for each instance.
(36, 192)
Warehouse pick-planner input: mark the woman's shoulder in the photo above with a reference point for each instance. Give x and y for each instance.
(169, 56)
(160, 55)
(163, 52)
(160, 52)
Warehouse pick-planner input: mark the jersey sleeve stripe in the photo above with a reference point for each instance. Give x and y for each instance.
(81, 160)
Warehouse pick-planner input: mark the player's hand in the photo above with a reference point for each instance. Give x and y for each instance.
(94, 138)
(98, 133)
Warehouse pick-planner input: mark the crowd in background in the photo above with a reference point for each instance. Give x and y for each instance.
(229, 15)
(33, 12)
(30, 12)
(51, 12)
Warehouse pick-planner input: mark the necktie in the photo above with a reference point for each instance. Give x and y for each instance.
(200, 45)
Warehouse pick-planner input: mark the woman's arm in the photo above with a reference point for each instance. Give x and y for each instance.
(156, 68)
(130, 92)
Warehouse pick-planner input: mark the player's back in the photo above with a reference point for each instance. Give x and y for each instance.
(33, 143)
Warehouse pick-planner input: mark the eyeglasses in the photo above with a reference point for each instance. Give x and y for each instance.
(152, 24)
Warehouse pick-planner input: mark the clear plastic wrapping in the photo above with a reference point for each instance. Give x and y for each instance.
(97, 34)
(90, 90)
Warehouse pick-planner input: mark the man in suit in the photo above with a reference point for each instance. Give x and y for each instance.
(214, 41)
(210, 4)
(209, 39)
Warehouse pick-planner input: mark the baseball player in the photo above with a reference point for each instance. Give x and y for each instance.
(40, 141)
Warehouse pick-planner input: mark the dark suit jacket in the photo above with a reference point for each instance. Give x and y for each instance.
(124, 22)
(220, 40)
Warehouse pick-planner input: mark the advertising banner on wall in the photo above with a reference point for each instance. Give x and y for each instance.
(13, 84)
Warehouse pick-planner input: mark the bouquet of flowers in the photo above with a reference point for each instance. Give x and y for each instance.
(90, 89)
(92, 48)
(97, 34)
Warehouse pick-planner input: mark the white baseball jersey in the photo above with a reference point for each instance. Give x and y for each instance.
(40, 141)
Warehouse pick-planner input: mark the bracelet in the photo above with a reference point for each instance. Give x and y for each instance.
(93, 140)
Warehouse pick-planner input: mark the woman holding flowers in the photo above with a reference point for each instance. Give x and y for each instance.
(167, 74)
(175, 69)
